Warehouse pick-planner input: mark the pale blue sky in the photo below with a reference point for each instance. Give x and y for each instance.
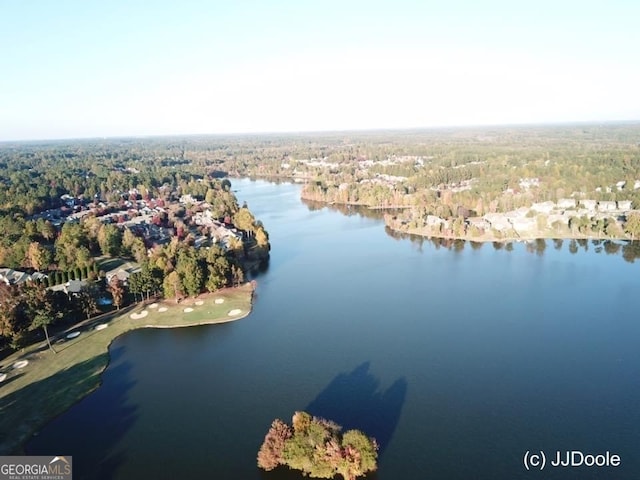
(94, 68)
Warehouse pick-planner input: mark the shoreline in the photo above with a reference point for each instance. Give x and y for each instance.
(199, 324)
(506, 239)
(484, 238)
(51, 383)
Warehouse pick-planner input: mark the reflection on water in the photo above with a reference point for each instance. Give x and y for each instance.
(630, 250)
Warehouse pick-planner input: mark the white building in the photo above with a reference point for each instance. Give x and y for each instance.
(606, 206)
(543, 207)
(588, 204)
(566, 203)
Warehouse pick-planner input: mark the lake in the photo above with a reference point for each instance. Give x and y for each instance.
(458, 360)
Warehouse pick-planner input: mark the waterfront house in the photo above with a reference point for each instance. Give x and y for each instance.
(497, 221)
(543, 207)
(566, 203)
(478, 222)
(589, 204)
(624, 205)
(523, 224)
(606, 206)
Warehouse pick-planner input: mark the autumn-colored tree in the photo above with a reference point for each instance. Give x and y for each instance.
(262, 238)
(359, 455)
(315, 446)
(117, 291)
(244, 220)
(270, 454)
(13, 321)
(236, 247)
(110, 240)
(38, 256)
(172, 286)
(632, 225)
(47, 230)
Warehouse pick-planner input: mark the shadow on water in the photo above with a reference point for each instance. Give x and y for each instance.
(258, 270)
(354, 400)
(82, 431)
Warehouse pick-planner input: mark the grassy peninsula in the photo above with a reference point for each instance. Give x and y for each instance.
(50, 382)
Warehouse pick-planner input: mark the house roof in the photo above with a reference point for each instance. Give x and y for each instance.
(14, 277)
(75, 286)
(121, 274)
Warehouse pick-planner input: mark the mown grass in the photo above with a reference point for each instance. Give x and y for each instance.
(53, 382)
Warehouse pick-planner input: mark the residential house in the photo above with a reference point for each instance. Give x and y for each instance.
(120, 274)
(498, 221)
(74, 287)
(523, 224)
(202, 241)
(434, 221)
(624, 205)
(13, 277)
(606, 206)
(543, 207)
(589, 204)
(566, 203)
(478, 222)
(558, 218)
(187, 199)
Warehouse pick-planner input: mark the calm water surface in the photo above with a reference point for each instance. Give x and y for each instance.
(457, 361)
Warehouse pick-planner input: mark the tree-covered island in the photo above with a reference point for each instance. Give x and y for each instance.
(318, 448)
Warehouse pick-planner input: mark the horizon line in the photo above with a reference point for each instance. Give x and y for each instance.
(315, 132)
